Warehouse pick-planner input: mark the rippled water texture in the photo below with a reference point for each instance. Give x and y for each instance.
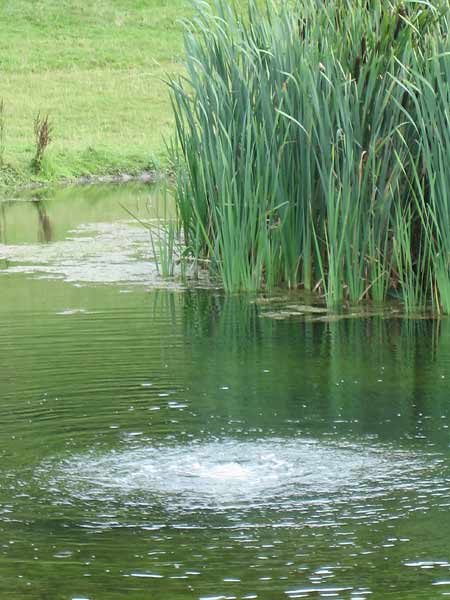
(161, 442)
(229, 474)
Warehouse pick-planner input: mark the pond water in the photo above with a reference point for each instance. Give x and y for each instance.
(164, 443)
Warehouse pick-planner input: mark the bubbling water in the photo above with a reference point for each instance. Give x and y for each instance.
(216, 475)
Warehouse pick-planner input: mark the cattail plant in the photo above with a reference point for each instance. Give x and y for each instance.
(313, 148)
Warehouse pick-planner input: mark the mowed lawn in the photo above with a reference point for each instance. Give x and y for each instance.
(97, 68)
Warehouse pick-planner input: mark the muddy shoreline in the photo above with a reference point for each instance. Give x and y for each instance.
(142, 177)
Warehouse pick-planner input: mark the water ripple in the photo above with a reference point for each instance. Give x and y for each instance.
(289, 475)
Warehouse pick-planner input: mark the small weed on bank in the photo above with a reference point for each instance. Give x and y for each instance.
(42, 137)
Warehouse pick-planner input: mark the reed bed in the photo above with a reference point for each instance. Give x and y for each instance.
(313, 148)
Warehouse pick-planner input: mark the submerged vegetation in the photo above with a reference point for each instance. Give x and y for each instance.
(313, 147)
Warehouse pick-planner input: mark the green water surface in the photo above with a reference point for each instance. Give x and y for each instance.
(164, 443)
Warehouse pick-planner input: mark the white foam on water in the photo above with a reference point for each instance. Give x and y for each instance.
(220, 474)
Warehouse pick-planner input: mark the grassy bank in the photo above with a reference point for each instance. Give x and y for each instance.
(314, 145)
(97, 69)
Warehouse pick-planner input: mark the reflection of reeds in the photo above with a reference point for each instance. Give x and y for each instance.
(314, 144)
(2, 224)
(236, 319)
(230, 319)
(336, 368)
(45, 232)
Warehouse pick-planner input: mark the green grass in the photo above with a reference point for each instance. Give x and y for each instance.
(98, 69)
